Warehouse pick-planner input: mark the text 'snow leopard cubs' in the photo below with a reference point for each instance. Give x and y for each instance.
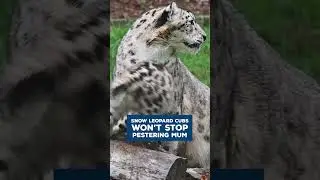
(149, 78)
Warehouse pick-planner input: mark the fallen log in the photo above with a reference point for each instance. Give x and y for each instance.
(134, 162)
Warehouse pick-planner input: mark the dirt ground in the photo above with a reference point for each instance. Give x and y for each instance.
(125, 9)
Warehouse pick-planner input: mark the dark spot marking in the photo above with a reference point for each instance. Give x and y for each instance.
(156, 76)
(163, 82)
(162, 19)
(136, 79)
(147, 12)
(156, 86)
(164, 92)
(148, 42)
(170, 81)
(139, 35)
(140, 78)
(146, 65)
(158, 100)
(154, 11)
(159, 67)
(143, 21)
(180, 27)
(166, 148)
(147, 26)
(139, 93)
(150, 72)
(150, 91)
(133, 61)
(149, 111)
(200, 128)
(146, 100)
(122, 127)
(137, 69)
(155, 110)
(143, 74)
(130, 44)
(131, 52)
(206, 138)
(201, 114)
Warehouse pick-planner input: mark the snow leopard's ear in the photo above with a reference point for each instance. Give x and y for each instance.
(167, 14)
(172, 8)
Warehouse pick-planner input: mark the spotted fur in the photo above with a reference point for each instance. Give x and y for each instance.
(137, 90)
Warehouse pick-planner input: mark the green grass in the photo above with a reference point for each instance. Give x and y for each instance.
(198, 64)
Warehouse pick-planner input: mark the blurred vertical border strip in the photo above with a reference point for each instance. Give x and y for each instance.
(107, 80)
(213, 44)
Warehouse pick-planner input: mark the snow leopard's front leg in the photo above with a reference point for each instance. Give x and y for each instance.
(146, 89)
